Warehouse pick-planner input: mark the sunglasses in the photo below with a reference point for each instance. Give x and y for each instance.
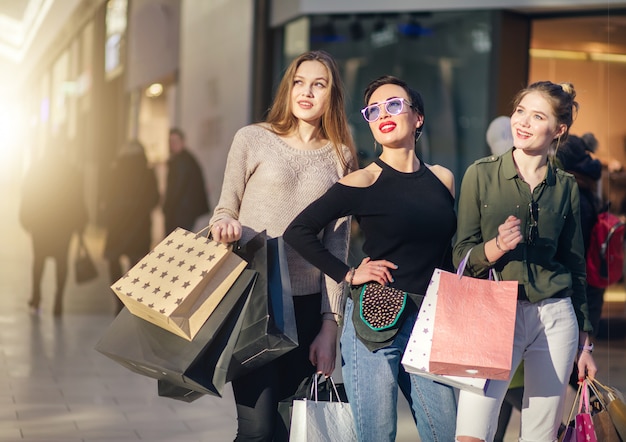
(533, 232)
(393, 106)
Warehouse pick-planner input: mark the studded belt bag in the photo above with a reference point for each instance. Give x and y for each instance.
(379, 312)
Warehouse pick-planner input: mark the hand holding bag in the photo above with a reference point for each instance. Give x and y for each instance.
(84, 267)
(314, 420)
(180, 282)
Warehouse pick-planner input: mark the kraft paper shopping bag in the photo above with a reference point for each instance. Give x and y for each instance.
(180, 282)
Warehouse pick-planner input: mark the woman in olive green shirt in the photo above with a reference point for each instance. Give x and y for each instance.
(520, 216)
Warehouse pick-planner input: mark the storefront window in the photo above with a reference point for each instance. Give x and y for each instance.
(446, 56)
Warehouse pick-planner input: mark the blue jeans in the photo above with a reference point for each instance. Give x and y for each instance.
(372, 380)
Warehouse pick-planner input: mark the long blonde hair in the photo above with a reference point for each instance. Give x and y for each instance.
(334, 126)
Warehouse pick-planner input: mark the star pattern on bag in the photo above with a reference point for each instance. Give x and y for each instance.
(171, 270)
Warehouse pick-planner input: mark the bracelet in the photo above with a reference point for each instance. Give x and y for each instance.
(351, 277)
(498, 244)
(587, 348)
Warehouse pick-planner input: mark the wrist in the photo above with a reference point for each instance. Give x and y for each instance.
(350, 276)
(585, 348)
(498, 244)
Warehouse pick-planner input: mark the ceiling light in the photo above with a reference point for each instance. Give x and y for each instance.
(154, 90)
(554, 53)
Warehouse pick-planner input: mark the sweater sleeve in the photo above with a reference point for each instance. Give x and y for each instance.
(236, 176)
(302, 233)
(336, 239)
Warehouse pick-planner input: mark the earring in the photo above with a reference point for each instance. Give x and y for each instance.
(558, 142)
(418, 135)
(375, 146)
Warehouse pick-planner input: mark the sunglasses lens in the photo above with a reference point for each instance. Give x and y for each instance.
(394, 107)
(371, 113)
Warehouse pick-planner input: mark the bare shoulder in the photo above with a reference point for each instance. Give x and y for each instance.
(363, 177)
(445, 176)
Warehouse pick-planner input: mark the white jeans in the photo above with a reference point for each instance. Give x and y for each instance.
(546, 338)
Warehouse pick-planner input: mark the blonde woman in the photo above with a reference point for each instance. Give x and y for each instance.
(274, 170)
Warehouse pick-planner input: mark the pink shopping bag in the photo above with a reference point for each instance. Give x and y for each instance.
(474, 326)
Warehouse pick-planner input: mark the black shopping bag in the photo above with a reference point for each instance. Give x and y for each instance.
(199, 365)
(269, 323)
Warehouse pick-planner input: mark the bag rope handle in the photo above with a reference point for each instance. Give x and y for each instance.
(595, 390)
(571, 412)
(313, 394)
(493, 276)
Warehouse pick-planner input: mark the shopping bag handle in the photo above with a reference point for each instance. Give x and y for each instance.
(609, 391)
(314, 388)
(207, 229)
(595, 390)
(571, 412)
(584, 399)
(232, 246)
(493, 276)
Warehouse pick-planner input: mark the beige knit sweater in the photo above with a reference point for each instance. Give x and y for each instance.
(266, 184)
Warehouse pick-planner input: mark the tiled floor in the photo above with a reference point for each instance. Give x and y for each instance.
(55, 387)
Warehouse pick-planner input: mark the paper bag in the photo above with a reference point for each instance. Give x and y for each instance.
(417, 353)
(474, 327)
(269, 324)
(200, 364)
(316, 420)
(180, 282)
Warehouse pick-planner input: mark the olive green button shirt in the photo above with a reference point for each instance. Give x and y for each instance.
(491, 191)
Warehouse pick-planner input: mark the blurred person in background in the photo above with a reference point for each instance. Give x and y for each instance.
(591, 145)
(131, 195)
(499, 136)
(52, 209)
(185, 194)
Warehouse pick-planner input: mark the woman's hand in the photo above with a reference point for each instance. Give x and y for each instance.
(508, 237)
(586, 365)
(509, 233)
(226, 230)
(368, 270)
(323, 350)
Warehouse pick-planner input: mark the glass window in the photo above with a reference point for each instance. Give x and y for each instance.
(445, 56)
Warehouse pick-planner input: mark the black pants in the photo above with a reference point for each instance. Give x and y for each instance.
(257, 394)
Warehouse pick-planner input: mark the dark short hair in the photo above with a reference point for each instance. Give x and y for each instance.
(177, 131)
(416, 98)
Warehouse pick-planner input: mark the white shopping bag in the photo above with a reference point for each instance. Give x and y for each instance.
(321, 421)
